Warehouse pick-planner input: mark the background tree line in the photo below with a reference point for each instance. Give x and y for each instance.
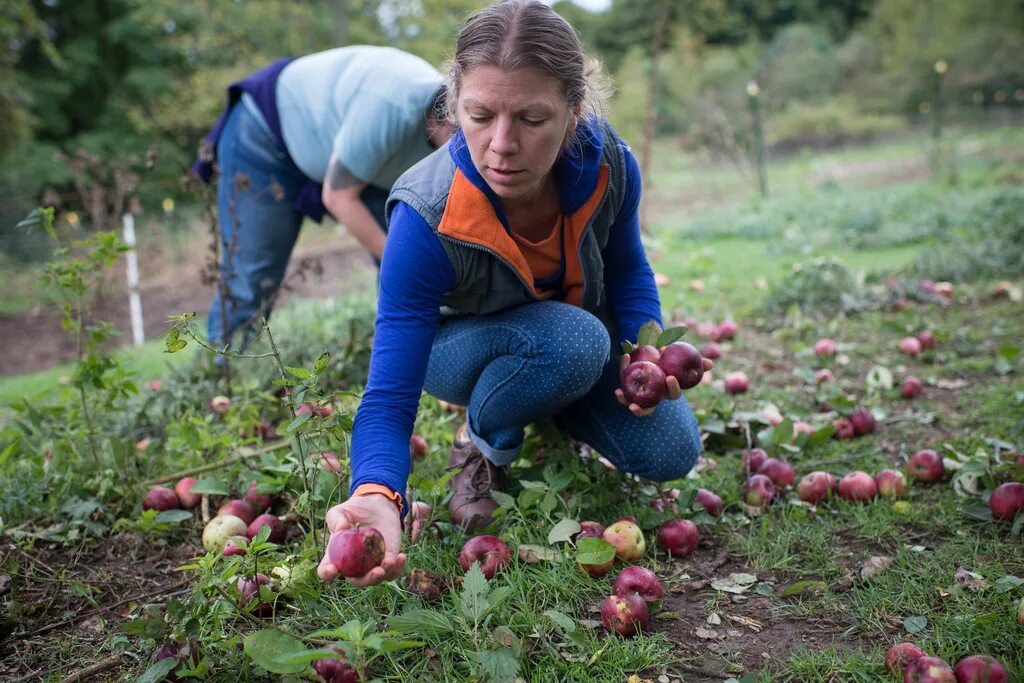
(118, 77)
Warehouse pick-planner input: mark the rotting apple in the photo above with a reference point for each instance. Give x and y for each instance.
(926, 466)
(236, 545)
(684, 362)
(929, 670)
(843, 429)
(160, 498)
(758, 490)
(355, 551)
(490, 551)
(221, 528)
(901, 656)
(863, 421)
(678, 537)
(1006, 500)
(422, 583)
(336, 669)
(858, 486)
(639, 580)
(643, 383)
(625, 614)
(628, 540)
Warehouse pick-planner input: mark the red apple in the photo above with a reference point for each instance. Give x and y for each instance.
(220, 404)
(628, 540)
(354, 552)
(678, 537)
(944, 289)
(911, 387)
(684, 362)
(1006, 500)
(711, 350)
(727, 329)
(220, 529)
(327, 461)
(278, 530)
(182, 652)
(891, 484)
(709, 330)
(929, 670)
(596, 571)
(754, 459)
(646, 352)
(643, 383)
(825, 347)
(639, 580)
(624, 614)
(926, 466)
(490, 551)
(926, 339)
(239, 508)
(1003, 289)
(250, 591)
(858, 486)
(980, 669)
(901, 656)
(823, 375)
(161, 498)
(800, 427)
(259, 501)
(336, 670)
(815, 487)
(153, 385)
(184, 490)
(736, 383)
(863, 421)
(236, 545)
(418, 446)
(710, 502)
(843, 429)
(780, 472)
(589, 529)
(758, 490)
(910, 346)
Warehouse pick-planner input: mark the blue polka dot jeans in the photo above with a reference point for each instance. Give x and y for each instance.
(551, 359)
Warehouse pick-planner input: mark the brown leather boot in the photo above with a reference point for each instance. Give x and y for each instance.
(471, 504)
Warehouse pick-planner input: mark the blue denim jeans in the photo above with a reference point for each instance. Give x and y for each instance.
(550, 359)
(258, 219)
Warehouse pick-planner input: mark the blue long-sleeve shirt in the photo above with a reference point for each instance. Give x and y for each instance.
(415, 275)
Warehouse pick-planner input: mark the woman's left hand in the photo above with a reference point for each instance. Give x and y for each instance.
(672, 388)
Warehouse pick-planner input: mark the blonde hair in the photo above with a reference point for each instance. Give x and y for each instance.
(527, 34)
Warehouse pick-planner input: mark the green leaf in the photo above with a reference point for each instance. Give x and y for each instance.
(671, 335)
(211, 487)
(808, 586)
(821, 435)
(158, 671)
(648, 334)
(563, 531)
(321, 362)
(504, 500)
(264, 647)
(1008, 583)
(915, 624)
(154, 628)
(594, 551)
(473, 598)
(391, 645)
(548, 503)
(563, 621)
(501, 664)
(533, 485)
(301, 373)
(297, 422)
(173, 516)
(423, 622)
(561, 480)
(782, 432)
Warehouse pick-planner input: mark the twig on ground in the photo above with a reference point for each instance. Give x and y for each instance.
(244, 453)
(93, 669)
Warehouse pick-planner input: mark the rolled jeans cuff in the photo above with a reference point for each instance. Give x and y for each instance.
(498, 456)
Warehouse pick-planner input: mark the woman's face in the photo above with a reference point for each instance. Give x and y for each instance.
(516, 123)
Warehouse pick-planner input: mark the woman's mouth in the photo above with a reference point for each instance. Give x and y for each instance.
(503, 176)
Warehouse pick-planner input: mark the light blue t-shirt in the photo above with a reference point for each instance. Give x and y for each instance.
(366, 104)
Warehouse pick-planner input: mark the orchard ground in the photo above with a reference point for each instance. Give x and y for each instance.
(790, 594)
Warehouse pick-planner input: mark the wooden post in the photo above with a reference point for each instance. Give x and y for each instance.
(134, 300)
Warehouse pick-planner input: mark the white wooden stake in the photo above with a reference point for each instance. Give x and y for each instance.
(134, 301)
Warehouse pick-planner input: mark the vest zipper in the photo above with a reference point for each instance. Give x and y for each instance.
(478, 247)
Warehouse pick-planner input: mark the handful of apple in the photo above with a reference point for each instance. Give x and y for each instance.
(657, 357)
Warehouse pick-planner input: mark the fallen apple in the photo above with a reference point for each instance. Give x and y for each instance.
(758, 490)
(355, 551)
(628, 540)
(278, 530)
(843, 429)
(911, 387)
(825, 347)
(624, 614)
(863, 421)
(336, 669)
(589, 529)
(711, 502)
(823, 375)
(780, 472)
(910, 346)
(160, 499)
(596, 571)
(236, 545)
(926, 339)
(980, 669)
(858, 486)
(815, 487)
(727, 329)
(1006, 500)
(239, 508)
(678, 537)
(753, 459)
(900, 657)
(711, 350)
(929, 670)
(422, 583)
(220, 529)
(891, 484)
(490, 551)
(926, 466)
(639, 580)
(736, 383)
(184, 490)
(259, 502)
(250, 594)
(643, 383)
(684, 362)
(220, 404)
(182, 652)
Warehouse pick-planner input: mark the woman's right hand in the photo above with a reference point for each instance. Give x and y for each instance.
(374, 510)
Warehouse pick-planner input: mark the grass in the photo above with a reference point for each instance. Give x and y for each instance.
(819, 620)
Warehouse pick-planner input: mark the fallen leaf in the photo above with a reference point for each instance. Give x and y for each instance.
(875, 566)
(706, 634)
(532, 554)
(951, 384)
(735, 583)
(591, 623)
(714, 619)
(808, 586)
(970, 580)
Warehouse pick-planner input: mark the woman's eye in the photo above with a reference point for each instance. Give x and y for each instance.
(479, 118)
(533, 122)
